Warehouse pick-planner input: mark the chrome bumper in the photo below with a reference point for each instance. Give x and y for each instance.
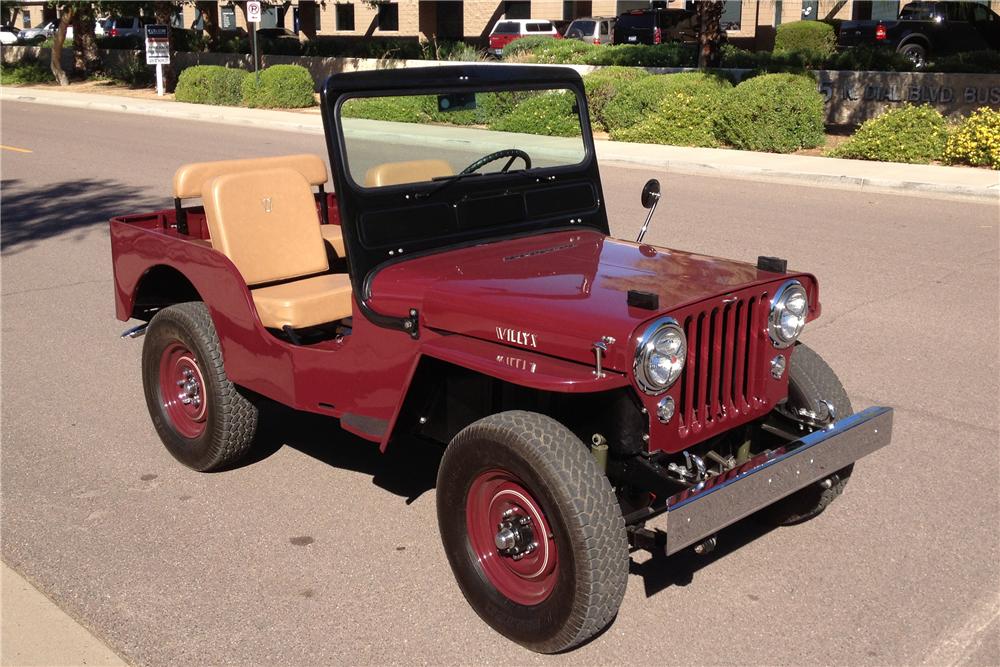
(697, 513)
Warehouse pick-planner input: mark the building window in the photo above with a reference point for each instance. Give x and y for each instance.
(810, 10)
(269, 18)
(732, 15)
(317, 23)
(26, 19)
(777, 13)
(345, 16)
(199, 20)
(517, 9)
(227, 18)
(177, 20)
(388, 16)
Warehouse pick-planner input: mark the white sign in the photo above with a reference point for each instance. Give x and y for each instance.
(253, 11)
(157, 45)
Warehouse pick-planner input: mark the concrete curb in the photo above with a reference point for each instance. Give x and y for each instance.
(915, 180)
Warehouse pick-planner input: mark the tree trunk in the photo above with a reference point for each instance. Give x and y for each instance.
(710, 33)
(85, 58)
(163, 12)
(57, 44)
(210, 19)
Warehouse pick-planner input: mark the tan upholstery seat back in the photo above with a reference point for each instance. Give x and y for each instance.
(190, 178)
(266, 223)
(414, 171)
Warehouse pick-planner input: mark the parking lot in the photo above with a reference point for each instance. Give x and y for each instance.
(319, 550)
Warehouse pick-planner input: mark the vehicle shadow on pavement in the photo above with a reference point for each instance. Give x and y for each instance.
(661, 572)
(407, 469)
(32, 214)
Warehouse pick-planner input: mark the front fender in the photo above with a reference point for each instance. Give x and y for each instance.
(511, 365)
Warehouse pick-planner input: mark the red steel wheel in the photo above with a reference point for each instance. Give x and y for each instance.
(203, 419)
(532, 530)
(511, 537)
(182, 390)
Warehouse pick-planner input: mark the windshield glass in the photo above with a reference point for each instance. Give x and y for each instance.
(507, 28)
(410, 139)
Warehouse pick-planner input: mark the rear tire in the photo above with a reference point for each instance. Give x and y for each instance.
(811, 380)
(915, 53)
(201, 417)
(525, 469)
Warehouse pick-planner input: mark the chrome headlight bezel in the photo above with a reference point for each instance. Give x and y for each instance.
(645, 347)
(779, 306)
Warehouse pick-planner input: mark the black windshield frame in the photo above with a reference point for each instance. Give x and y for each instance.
(355, 202)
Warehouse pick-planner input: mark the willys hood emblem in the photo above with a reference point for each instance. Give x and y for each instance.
(517, 337)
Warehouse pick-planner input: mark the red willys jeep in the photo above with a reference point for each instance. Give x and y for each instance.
(592, 394)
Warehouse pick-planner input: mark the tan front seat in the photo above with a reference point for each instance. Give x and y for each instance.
(414, 171)
(265, 221)
(190, 180)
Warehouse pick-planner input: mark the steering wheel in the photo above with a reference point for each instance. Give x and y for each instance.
(512, 153)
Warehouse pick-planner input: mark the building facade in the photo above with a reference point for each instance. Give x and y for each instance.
(749, 22)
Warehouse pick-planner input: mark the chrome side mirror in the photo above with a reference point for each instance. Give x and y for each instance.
(650, 198)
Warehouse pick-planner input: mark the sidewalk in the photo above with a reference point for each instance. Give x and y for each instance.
(916, 180)
(34, 631)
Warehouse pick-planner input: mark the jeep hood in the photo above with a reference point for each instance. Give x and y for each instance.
(556, 293)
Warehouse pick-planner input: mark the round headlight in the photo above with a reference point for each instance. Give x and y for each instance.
(789, 308)
(660, 356)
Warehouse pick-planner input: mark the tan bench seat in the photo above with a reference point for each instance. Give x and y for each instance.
(304, 303)
(191, 179)
(265, 221)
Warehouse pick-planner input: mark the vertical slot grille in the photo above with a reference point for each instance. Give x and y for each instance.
(718, 380)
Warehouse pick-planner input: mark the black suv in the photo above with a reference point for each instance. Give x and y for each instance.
(656, 26)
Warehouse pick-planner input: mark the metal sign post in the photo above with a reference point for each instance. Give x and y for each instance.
(253, 17)
(158, 51)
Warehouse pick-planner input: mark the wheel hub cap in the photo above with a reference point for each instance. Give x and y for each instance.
(182, 391)
(511, 537)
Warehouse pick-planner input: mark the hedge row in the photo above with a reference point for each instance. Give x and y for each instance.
(776, 112)
(920, 135)
(796, 54)
(280, 87)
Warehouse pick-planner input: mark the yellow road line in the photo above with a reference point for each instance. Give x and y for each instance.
(16, 150)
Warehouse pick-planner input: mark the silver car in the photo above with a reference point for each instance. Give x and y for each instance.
(593, 30)
(43, 32)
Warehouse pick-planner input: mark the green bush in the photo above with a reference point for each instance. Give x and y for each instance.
(211, 84)
(870, 59)
(190, 41)
(524, 45)
(232, 42)
(806, 36)
(557, 51)
(976, 141)
(777, 113)
(635, 102)
(671, 54)
(281, 87)
(973, 62)
(368, 47)
(686, 115)
(549, 113)
(915, 134)
(281, 46)
(25, 72)
(603, 86)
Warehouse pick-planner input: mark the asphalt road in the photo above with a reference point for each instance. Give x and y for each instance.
(321, 551)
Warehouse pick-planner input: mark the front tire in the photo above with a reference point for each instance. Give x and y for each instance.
(201, 417)
(810, 381)
(532, 530)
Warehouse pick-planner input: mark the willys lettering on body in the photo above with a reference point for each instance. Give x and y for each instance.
(517, 337)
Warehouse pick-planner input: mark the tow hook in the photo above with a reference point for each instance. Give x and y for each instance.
(706, 546)
(829, 481)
